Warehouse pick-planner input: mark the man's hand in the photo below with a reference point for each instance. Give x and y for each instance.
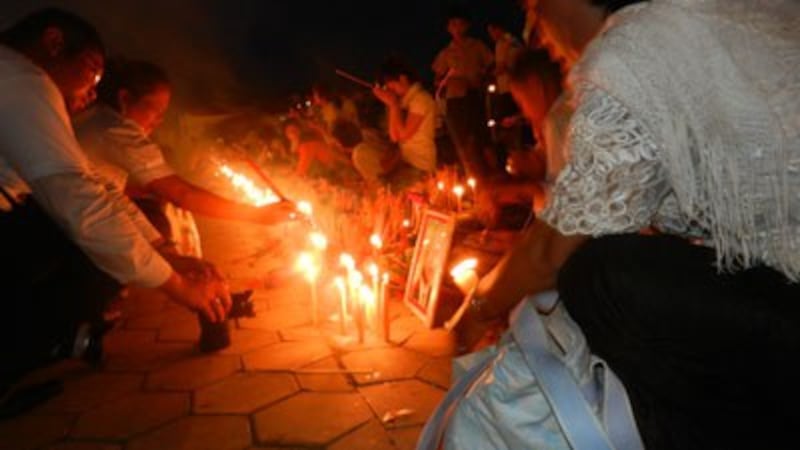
(385, 96)
(209, 297)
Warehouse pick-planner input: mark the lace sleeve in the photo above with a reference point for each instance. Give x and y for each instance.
(613, 181)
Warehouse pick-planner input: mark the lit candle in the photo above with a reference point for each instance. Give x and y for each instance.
(374, 271)
(356, 303)
(305, 208)
(306, 264)
(367, 308)
(472, 183)
(384, 307)
(376, 241)
(318, 241)
(340, 286)
(458, 190)
(464, 275)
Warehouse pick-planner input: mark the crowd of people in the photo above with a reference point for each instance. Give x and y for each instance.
(664, 179)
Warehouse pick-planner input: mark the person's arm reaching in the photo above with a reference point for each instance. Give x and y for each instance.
(201, 201)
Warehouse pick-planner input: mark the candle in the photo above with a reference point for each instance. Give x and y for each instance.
(367, 299)
(356, 304)
(458, 190)
(464, 275)
(384, 307)
(318, 241)
(472, 183)
(376, 241)
(340, 286)
(304, 207)
(306, 264)
(372, 317)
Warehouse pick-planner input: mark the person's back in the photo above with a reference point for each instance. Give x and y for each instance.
(724, 124)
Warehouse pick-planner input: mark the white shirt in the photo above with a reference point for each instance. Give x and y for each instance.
(39, 155)
(419, 150)
(119, 148)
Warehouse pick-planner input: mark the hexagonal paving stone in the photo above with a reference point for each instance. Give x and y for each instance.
(279, 318)
(405, 438)
(438, 342)
(194, 372)
(84, 446)
(311, 419)
(122, 340)
(131, 415)
(324, 382)
(439, 372)
(33, 431)
(244, 341)
(84, 393)
(387, 364)
(286, 355)
(413, 394)
(371, 436)
(197, 433)
(150, 357)
(158, 319)
(244, 393)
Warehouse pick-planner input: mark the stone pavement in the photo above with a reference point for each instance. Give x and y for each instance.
(281, 384)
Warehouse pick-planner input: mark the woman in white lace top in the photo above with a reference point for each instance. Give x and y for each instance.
(687, 120)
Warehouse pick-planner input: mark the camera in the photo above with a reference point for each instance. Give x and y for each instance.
(216, 336)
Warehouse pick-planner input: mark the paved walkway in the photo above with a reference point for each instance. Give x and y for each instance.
(281, 384)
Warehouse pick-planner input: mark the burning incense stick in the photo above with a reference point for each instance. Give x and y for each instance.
(354, 79)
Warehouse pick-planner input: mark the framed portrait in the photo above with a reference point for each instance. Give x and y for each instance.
(428, 264)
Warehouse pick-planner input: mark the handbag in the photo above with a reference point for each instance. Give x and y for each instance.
(539, 388)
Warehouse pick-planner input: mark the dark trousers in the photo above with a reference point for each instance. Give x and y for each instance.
(48, 288)
(466, 123)
(708, 359)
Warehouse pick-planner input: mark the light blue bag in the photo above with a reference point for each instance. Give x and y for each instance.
(539, 388)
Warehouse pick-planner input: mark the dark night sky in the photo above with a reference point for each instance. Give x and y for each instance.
(265, 49)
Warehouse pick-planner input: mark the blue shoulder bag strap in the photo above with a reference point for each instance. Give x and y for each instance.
(581, 426)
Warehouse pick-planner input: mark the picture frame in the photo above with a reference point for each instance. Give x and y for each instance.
(428, 262)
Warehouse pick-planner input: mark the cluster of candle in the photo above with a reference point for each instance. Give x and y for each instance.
(360, 301)
(458, 191)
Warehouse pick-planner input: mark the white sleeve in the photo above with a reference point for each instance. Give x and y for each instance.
(613, 181)
(102, 227)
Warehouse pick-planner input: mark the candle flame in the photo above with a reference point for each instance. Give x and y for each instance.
(458, 190)
(376, 241)
(318, 240)
(339, 282)
(366, 295)
(440, 185)
(406, 223)
(347, 261)
(304, 207)
(472, 183)
(372, 269)
(305, 263)
(258, 196)
(357, 279)
(463, 267)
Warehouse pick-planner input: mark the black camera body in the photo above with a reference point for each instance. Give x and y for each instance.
(216, 336)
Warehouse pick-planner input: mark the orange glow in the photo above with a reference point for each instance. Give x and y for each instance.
(440, 185)
(256, 195)
(464, 274)
(307, 265)
(347, 261)
(472, 183)
(458, 190)
(304, 207)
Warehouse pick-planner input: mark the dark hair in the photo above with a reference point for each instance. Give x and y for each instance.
(458, 12)
(535, 63)
(79, 35)
(612, 6)
(394, 67)
(347, 133)
(137, 77)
